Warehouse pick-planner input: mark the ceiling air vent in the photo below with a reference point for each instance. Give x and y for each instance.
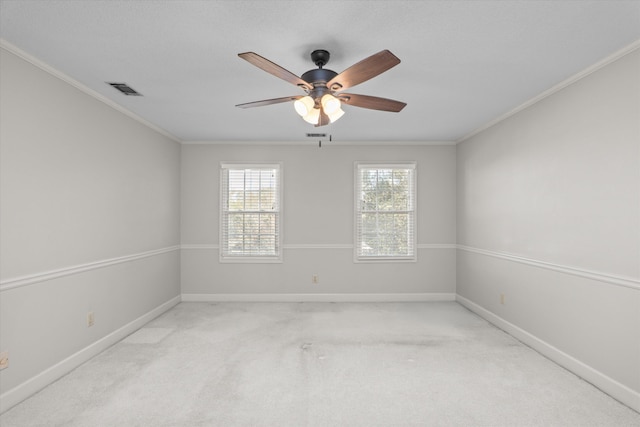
(125, 89)
(316, 135)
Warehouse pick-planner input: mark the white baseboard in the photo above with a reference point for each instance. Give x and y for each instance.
(402, 297)
(608, 385)
(19, 393)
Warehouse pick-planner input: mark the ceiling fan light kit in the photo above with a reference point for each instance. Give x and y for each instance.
(323, 101)
(304, 105)
(309, 108)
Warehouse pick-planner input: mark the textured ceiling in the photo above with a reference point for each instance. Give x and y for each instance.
(464, 63)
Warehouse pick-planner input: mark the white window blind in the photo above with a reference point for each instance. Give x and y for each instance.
(250, 212)
(385, 212)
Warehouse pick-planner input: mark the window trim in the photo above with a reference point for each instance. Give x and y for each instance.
(359, 165)
(254, 259)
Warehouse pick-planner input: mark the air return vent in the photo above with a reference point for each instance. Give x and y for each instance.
(125, 89)
(316, 135)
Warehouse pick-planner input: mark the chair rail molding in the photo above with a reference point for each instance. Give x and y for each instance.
(17, 282)
(627, 282)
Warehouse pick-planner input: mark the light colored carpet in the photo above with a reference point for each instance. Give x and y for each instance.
(320, 364)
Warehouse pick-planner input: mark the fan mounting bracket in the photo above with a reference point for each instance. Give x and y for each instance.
(320, 57)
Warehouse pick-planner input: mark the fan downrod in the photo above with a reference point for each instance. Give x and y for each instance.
(320, 57)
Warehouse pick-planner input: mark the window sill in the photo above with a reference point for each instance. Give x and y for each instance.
(369, 260)
(251, 260)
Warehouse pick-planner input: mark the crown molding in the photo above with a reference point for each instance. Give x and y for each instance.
(76, 84)
(557, 88)
(314, 143)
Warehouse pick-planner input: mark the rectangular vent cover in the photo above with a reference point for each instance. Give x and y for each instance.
(316, 135)
(125, 89)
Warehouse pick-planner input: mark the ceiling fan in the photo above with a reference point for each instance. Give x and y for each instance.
(324, 97)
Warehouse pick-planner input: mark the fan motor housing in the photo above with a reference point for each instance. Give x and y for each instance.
(318, 76)
(319, 82)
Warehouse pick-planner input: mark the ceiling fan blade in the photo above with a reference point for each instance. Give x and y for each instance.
(268, 102)
(275, 69)
(364, 70)
(371, 102)
(323, 119)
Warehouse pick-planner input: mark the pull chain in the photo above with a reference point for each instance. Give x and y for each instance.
(320, 141)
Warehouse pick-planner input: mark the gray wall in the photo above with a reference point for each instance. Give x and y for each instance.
(89, 219)
(93, 206)
(318, 223)
(549, 217)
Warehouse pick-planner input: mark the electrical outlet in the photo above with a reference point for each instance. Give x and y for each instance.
(90, 319)
(502, 299)
(315, 279)
(4, 360)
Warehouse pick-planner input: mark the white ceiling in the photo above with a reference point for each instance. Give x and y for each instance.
(464, 63)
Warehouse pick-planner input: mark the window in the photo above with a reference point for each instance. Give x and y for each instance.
(385, 212)
(250, 219)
